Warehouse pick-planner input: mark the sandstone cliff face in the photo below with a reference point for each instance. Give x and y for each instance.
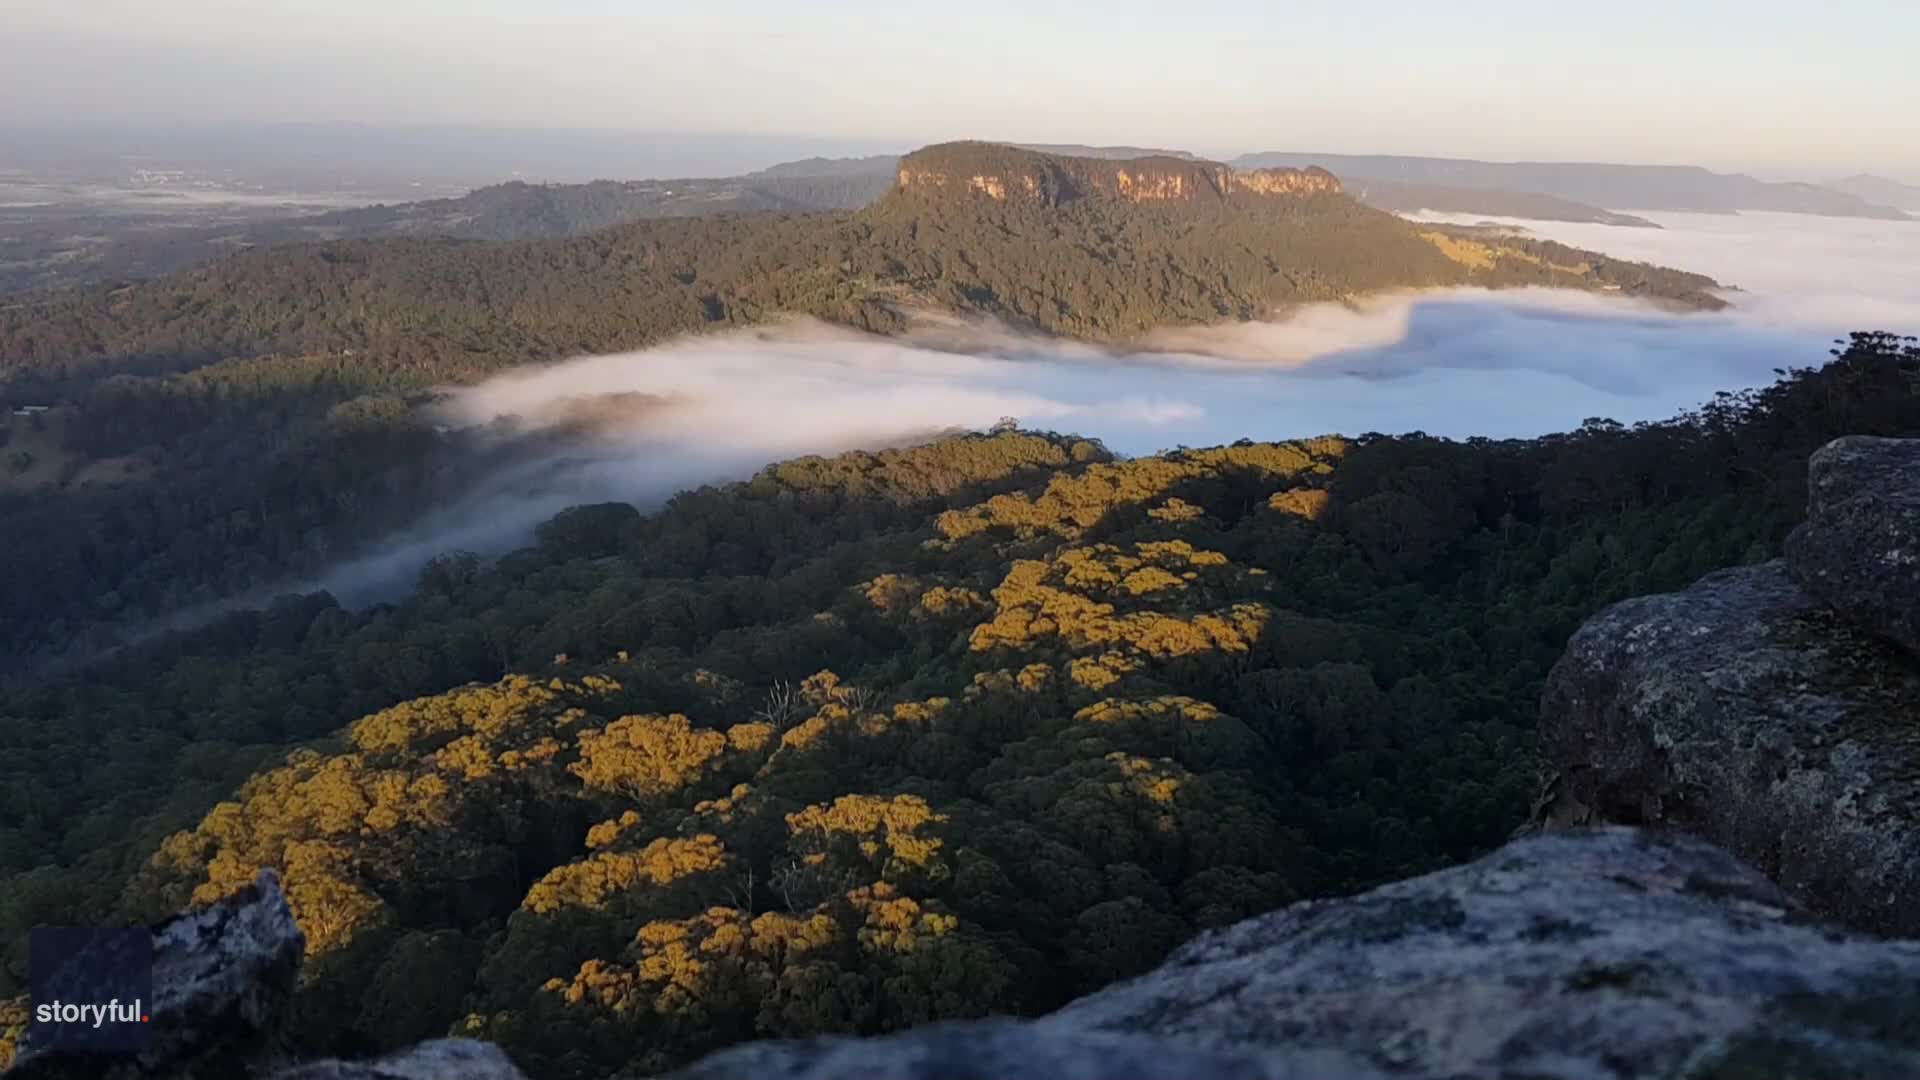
(1309, 181)
(1004, 173)
(1770, 709)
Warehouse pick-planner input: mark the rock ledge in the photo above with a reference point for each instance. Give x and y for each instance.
(1772, 709)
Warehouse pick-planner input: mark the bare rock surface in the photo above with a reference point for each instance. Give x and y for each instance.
(222, 979)
(1772, 709)
(1578, 955)
(1859, 550)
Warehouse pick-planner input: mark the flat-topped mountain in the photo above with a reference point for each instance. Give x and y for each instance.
(1088, 248)
(337, 334)
(1004, 173)
(54, 250)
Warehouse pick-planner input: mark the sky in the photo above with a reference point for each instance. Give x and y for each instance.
(1782, 89)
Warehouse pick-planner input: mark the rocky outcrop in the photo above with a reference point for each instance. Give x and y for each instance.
(1773, 710)
(1770, 708)
(222, 979)
(1575, 955)
(1859, 551)
(1582, 954)
(1568, 955)
(1004, 173)
(1585, 954)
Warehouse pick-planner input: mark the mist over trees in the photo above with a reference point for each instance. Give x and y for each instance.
(883, 738)
(861, 742)
(269, 403)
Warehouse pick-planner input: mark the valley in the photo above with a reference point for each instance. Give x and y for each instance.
(638, 618)
(60, 234)
(1029, 707)
(281, 389)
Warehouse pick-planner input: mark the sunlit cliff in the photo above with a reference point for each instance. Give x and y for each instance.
(1004, 172)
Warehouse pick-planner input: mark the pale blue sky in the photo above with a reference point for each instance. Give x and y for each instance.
(1792, 88)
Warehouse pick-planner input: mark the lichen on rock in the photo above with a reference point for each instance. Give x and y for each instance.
(1859, 550)
(1591, 953)
(1768, 708)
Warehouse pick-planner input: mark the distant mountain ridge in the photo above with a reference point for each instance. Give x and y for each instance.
(515, 210)
(1880, 189)
(873, 165)
(1615, 187)
(1090, 248)
(1402, 198)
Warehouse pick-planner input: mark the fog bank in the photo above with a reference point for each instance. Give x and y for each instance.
(1455, 363)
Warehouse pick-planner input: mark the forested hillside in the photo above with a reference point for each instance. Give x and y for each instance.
(1097, 268)
(890, 737)
(229, 427)
(61, 251)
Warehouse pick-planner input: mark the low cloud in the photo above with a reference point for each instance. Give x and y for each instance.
(1457, 363)
(1793, 270)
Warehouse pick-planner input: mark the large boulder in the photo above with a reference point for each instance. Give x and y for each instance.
(223, 978)
(1859, 550)
(1745, 712)
(1772, 709)
(1578, 955)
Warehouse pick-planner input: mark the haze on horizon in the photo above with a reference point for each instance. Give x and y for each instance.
(1787, 90)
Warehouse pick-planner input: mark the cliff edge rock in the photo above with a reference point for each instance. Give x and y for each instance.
(1565, 956)
(1772, 709)
(1859, 551)
(223, 977)
(1574, 956)
(1577, 955)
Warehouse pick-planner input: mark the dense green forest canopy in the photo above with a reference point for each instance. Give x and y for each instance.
(231, 427)
(889, 737)
(1094, 268)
